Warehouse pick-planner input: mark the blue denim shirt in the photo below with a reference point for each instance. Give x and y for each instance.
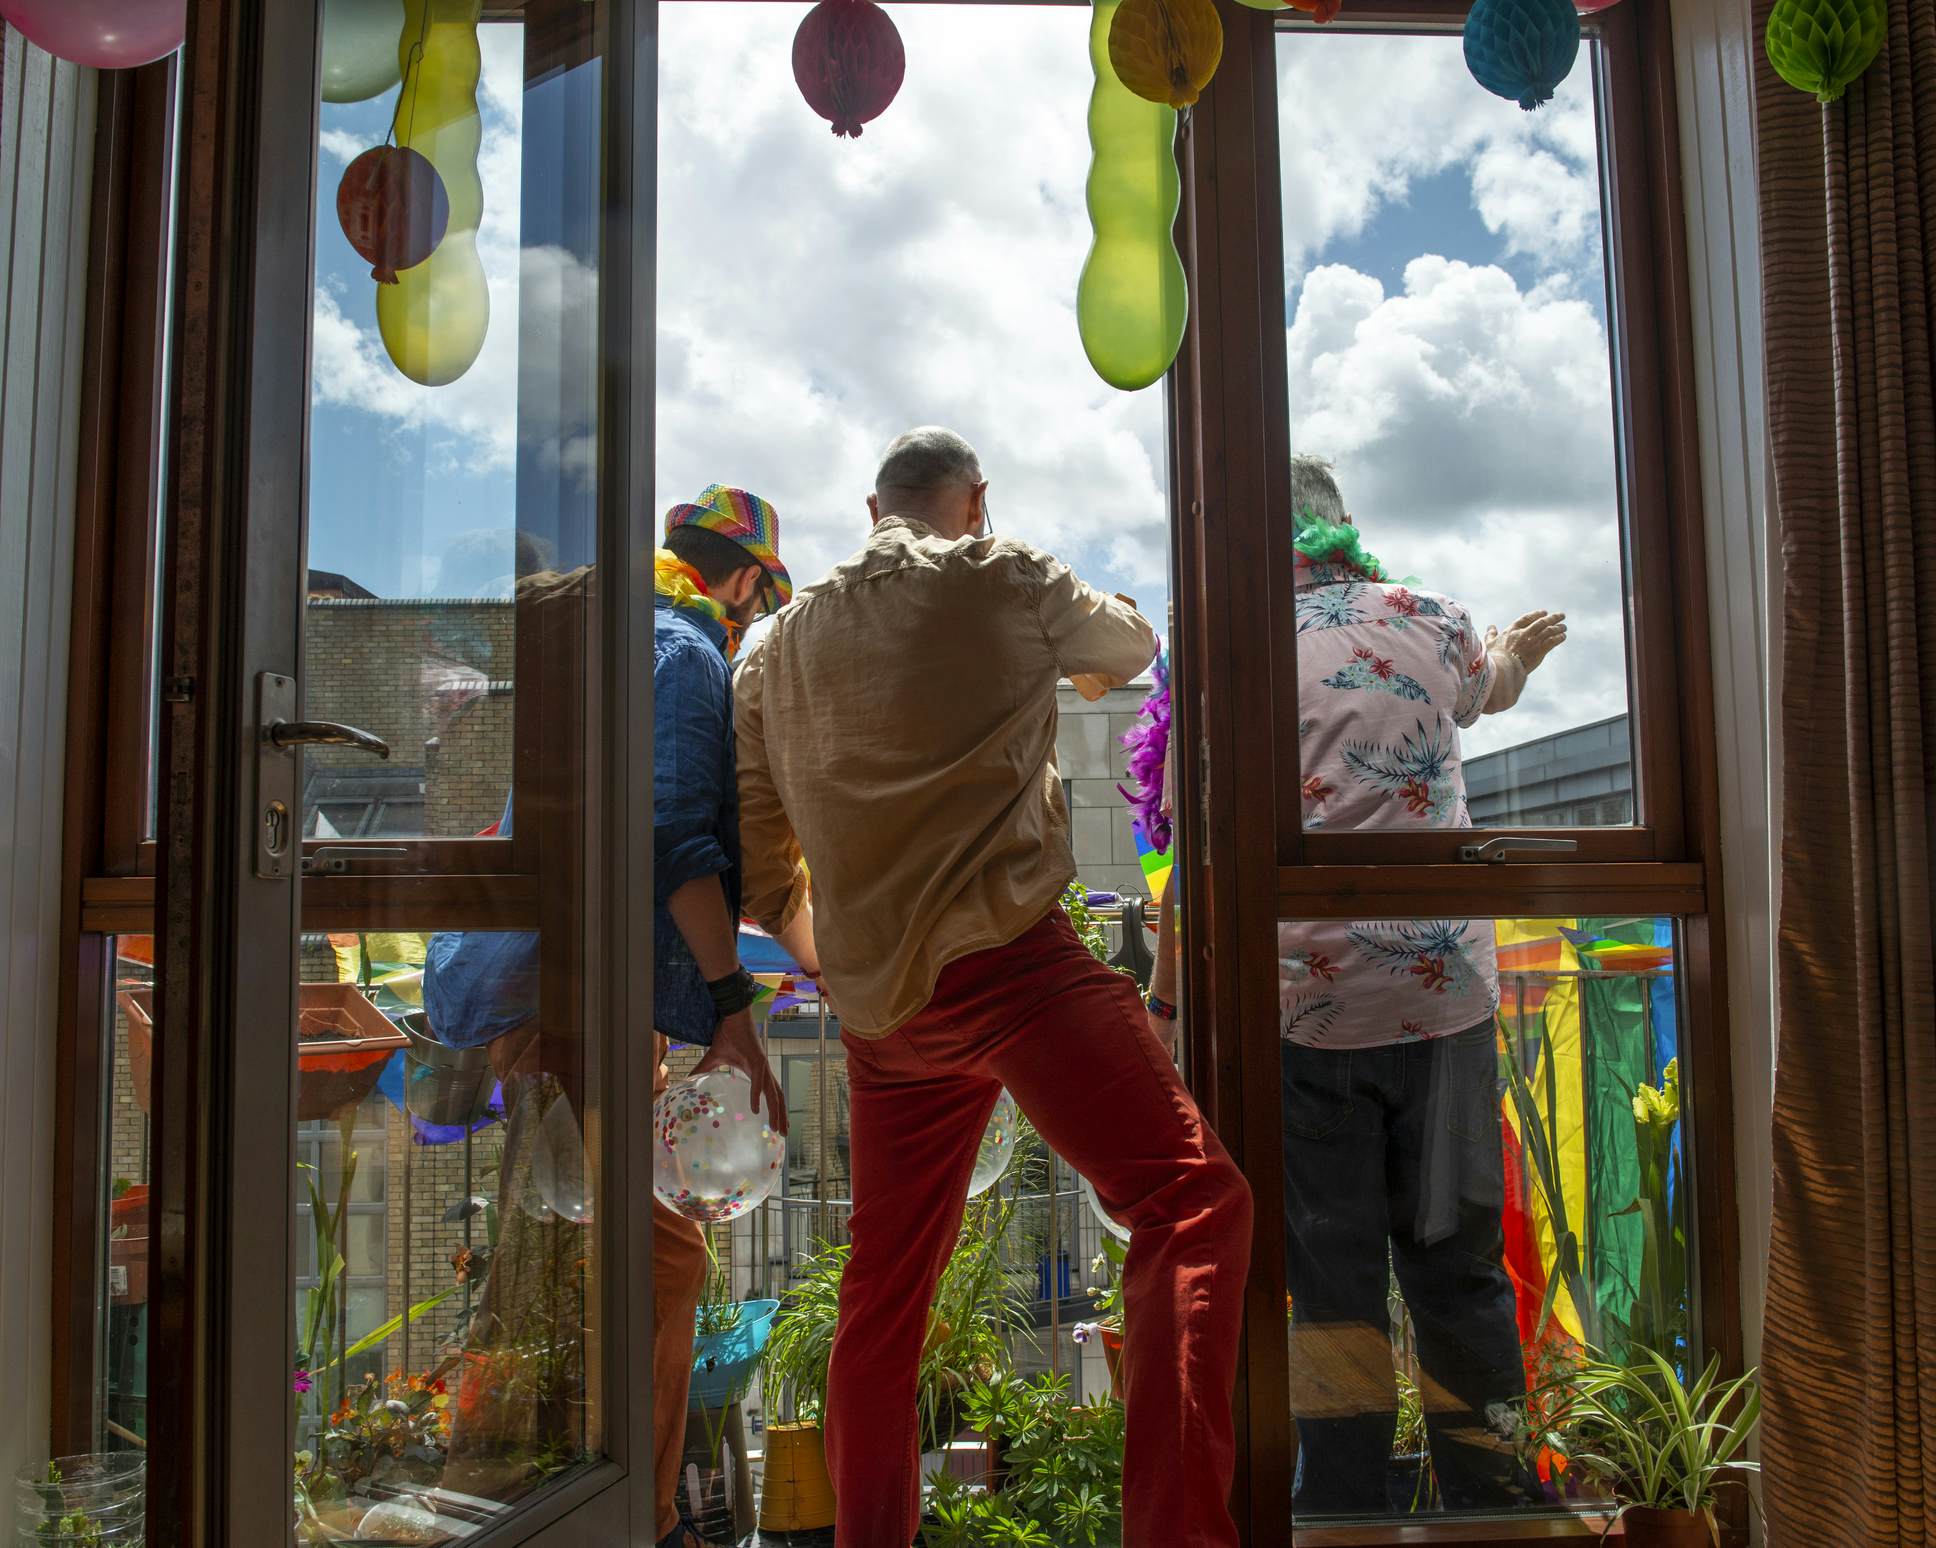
(479, 985)
(695, 805)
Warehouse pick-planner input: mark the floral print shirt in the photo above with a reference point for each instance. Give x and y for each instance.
(1387, 676)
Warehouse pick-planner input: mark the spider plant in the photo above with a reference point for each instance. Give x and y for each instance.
(1656, 1443)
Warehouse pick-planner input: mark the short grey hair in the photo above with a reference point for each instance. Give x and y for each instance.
(1314, 490)
(927, 458)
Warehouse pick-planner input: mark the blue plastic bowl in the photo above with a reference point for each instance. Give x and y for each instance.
(722, 1363)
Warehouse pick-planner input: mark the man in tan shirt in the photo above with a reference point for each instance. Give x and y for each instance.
(896, 727)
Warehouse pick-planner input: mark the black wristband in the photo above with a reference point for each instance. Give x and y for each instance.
(734, 993)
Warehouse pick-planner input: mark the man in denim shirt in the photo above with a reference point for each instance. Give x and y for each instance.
(719, 569)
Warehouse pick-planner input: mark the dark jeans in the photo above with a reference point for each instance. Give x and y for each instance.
(1392, 1163)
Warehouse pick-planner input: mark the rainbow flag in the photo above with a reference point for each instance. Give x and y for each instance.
(1156, 865)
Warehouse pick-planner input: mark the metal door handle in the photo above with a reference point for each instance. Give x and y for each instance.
(324, 733)
(1495, 850)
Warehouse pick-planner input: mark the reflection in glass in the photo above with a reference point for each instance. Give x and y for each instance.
(125, 1181)
(441, 1303)
(1469, 1208)
(1448, 296)
(444, 1303)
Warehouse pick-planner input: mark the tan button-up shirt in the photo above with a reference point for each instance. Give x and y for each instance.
(896, 726)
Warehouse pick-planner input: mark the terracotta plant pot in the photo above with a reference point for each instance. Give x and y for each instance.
(1112, 1354)
(1647, 1527)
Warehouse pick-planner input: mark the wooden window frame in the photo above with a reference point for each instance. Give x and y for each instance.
(1246, 856)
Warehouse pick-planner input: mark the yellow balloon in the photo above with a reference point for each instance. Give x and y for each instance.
(1166, 50)
(433, 320)
(1133, 299)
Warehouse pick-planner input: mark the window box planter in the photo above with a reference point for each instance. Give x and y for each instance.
(345, 1042)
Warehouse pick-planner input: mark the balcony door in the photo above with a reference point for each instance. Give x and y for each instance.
(403, 720)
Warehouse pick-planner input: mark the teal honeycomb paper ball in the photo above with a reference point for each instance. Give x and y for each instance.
(1819, 46)
(1522, 49)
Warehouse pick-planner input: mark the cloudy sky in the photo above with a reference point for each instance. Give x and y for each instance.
(1443, 301)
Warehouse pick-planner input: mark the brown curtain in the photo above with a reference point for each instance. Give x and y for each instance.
(1848, 228)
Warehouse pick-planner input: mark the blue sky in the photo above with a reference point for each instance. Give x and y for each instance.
(1443, 304)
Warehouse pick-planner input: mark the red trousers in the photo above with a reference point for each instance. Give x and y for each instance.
(1070, 1041)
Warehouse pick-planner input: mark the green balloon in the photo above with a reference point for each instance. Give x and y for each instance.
(1133, 300)
(1820, 46)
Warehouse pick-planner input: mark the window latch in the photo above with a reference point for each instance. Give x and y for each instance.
(1496, 851)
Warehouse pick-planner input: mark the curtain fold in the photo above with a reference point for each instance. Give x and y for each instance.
(1848, 222)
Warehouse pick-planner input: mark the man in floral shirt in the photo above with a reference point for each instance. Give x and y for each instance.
(1392, 1156)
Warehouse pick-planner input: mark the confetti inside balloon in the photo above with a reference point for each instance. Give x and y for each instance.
(997, 1146)
(717, 1157)
(1109, 1222)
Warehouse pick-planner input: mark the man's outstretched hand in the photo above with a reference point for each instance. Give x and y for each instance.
(737, 1045)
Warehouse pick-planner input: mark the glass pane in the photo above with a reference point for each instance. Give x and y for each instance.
(451, 1174)
(448, 1123)
(429, 464)
(1447, 295)
(125, 1181)
(1484, 1189)
(165, 377)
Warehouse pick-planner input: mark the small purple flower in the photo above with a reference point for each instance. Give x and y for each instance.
(1082, 1332)
(301, 1381)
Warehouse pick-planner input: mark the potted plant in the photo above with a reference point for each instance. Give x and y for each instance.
(799, 1495)
(728, 1338)
(1061, 1479)
(1106, 1269)
(1663, 1449)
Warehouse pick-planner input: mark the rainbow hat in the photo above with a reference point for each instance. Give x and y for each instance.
(749, 521)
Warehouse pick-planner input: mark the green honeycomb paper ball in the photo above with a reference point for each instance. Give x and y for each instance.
(1819, 46)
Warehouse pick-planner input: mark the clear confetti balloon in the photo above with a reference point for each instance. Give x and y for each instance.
(1109, 1222)
(558, 1169)
(716, 1158)
(997, 1146)
(399, 1521)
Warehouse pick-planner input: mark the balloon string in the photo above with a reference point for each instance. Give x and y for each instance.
(412, 78)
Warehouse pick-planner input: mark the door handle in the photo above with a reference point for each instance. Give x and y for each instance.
(323, 733)
(1494, 851)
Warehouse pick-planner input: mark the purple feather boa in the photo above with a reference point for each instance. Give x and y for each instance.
(1148, 742)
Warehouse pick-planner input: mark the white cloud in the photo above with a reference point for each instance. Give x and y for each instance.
(817, 296)
(1472, 427)
(1363, 117)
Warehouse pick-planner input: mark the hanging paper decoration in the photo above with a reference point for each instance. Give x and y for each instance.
(1820, 46)
(848, 61)
(105, 34)
(1320, 11)
(1166, 50)
(434, 318)
(393, 208)
(1521, 49)
(1132, 300)
(360, 48)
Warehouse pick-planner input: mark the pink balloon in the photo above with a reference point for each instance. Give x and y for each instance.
(107, 34)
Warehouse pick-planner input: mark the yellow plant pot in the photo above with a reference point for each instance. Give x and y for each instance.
(798, 1495)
